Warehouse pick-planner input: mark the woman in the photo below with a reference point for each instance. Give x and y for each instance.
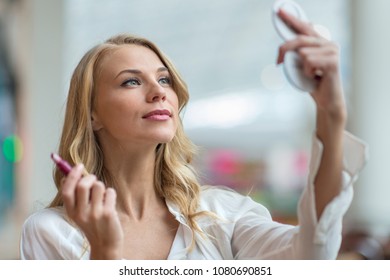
(144, 202)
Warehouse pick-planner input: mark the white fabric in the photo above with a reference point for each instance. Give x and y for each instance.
(244, 229)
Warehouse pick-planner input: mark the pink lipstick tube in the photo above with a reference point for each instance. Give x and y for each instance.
(63, 165)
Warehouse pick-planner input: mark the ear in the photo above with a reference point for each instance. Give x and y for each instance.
(96, 124)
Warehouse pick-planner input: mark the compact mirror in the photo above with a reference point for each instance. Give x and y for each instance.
(292, 63)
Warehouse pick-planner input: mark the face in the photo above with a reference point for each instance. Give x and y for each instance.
(135, 102)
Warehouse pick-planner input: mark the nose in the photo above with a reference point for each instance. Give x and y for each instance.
(156, 93)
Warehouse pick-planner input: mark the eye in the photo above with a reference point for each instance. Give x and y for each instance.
(165, 81)
(131, 82)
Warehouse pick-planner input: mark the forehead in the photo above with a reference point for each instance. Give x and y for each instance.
(130, 57)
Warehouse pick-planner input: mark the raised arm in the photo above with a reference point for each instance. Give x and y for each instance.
(321, 61)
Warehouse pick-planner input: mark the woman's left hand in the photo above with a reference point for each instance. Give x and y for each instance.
(320, 59)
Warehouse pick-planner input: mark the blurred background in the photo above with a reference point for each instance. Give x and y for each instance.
(253, 129)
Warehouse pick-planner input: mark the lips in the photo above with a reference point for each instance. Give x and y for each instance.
(158, 114)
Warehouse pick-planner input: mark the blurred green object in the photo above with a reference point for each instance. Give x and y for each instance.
(7, 174)
(12, 148)
(12, 153)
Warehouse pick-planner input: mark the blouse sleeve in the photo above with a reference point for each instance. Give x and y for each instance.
(47, 235)
(256, 236)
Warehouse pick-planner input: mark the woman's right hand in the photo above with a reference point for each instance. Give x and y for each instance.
(92, 207)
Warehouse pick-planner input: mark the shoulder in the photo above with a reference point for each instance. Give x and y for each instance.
(48, 220)
(49, 234)
(47, 216)
(227, 202)
(219, 194)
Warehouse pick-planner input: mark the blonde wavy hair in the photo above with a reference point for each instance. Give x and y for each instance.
(174, 178)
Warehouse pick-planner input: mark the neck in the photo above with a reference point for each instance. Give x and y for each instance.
(133, 173)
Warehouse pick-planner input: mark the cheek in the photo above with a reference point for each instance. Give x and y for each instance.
(174, 100)
(115, 113)
(175, 107)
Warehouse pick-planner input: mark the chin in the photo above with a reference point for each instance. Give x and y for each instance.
(165, 135)
(165, 140)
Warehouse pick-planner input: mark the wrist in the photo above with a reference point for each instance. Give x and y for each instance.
(106, 254)
(330, 127)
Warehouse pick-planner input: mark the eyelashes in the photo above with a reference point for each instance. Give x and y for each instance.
(133, 82)
(165, 81)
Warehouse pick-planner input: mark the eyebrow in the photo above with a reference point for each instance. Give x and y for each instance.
(136, 71)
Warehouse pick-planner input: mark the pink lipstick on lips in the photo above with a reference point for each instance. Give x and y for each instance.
(63, 165)
(158, 115)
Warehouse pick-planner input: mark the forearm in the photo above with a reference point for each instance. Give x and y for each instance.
(328, 181)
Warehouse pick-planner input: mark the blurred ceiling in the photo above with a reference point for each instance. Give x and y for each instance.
(224, 49)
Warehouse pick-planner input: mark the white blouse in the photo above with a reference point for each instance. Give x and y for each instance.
(244, 229)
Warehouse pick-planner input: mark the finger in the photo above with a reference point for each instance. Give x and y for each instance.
(83, 192)
(319, 62)
(97, 198)
(69, 186)
(301, 27)
(300, 42)
(325, 50)
(110, 198)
